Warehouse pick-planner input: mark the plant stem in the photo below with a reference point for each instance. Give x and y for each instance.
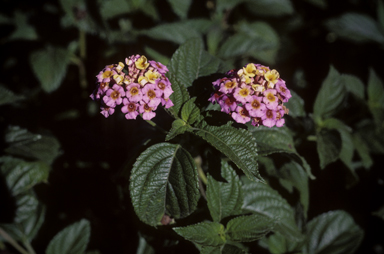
(29, 247)
(13, 242)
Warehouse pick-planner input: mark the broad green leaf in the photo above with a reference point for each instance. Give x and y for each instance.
(8, 97)
(178, 127)
(36, 146)
(204, 233)
(376, 98)
(372, 136)
(261, 199)
(328, 147)
(222, 5)
(148, 7)
(226, 249)
(330, 95)
(319, 3)
(362, 150)
(180, 93)
(50, 67)
(356, 27)
(112, 8)
(333, 232)
(273, 8)
(180, 7)
(72, 239)
(191, 61)
(224, 199)
(21, 175)
(211, 250)
(277, 140)
(190, 112)
(249, 228)
(295, 105)
(144, 247)
(278, 244)
(354, 85)
(237, 144)
(23, 31)
(164, 181)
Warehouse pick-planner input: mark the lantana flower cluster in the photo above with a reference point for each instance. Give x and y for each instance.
(254, 93)
(139, 85)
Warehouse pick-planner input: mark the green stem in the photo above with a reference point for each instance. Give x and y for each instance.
(29, 247)
(13, 242)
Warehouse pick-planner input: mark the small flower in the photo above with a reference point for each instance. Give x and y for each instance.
(141, 63)
(107, 111)
(151, 94)
(242, 115)
(283, 90)
(133, 92)
(167, 103)
(269, 118)
(272, 78)
(255, 106)
(250, 70)
(151, 76)
(164, 86)
(228, 104)
(214, 97)
(228, 86)
(105, 76)
(147, 111)
(242, 94)
(114, 96)
(119, 67)
(160, 67)
(270, 98)
(130, 108)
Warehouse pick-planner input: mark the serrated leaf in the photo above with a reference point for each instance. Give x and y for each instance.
(372, 136)
(237, 144)
(328, 147)
(190, 112)
(278, 244)
(191, 61)
(180, 7)
(278, 140)
(249, 228)
(263, 200)
(204, 233)
(180, 93)
(273, 8)
(295, 105)
(356, 27)
(50, 67)
(224, 199)
(23, 31)
(21, 175)
(375, 92)
(178, 127)
(8, 97)
(333, 232)
(330, 95)
(24, 143)
(72, 239)
(112, 8)
(353, 85)
(164, 181)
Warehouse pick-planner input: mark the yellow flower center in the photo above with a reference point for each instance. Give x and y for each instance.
(230, 84)
(161, 85)
(134, 90)
(271, 97)
(151, 94)
(255, 104)
(151, 76)
(272, 76)
(142, 63)
(107, 74)
(244, 92)
(250, 70)
(115, 95)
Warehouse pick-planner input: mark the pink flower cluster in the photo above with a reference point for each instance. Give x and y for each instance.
(141, 87)
(254, 93)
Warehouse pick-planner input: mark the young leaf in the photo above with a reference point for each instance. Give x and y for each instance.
(270, 7)
(191, 61)
(330, 96)
(21, 175)
(179, 95)
(190, 112)
(237, 144)
(376, 98)
(263, 200)
(353, 85)
(50, 67)
(356, 27)
(333, 232)
(164, 181)
(328, 147)
(224, 199)
(249, 228)
(178, 127)
(23, 31)
(24, 143)
(72, 239)
(204, 233)
(295, 105)
(8, 97)
(180, 7)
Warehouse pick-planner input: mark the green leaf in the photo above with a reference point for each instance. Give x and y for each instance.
(164, 181)
(278, 244)
(180, 94)
(249, 228)
(295, 105)
(328, 147)
(261, 199)
(178, 32)
(112, 8)
(50, 67)
(72, 239)
(190, 112)
(178, 127)
(180, 7)
(354, 85)
(333, 232)
(191, 61)
(376, 98)
(222, 5)
(273, 8)
(8, 97)
(362, 150)
(330, 95)
(24, 143)
(204, 233)
(277, 140)
(21, 175)
(356, 27)
(23, 31)
(237, 144)
(224, 199)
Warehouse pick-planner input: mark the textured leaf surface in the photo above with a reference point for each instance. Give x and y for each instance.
(224, 199)
(24, 143)
(330, 95)
(50, 67)
(278, 244)
(164, 180)
(362, 150)
(376, 98)
(249, 228)
(237, 144)
(180, 7)
(191, 61)
(295, 105)
(72, 239)
(356, 27)
(179, 95)
(333, 232)
(7, 96)
(204, 233)
(261, 199)
(178, 127)
(354, 85)
(190, 112)
(328, 146)
(270, 7)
